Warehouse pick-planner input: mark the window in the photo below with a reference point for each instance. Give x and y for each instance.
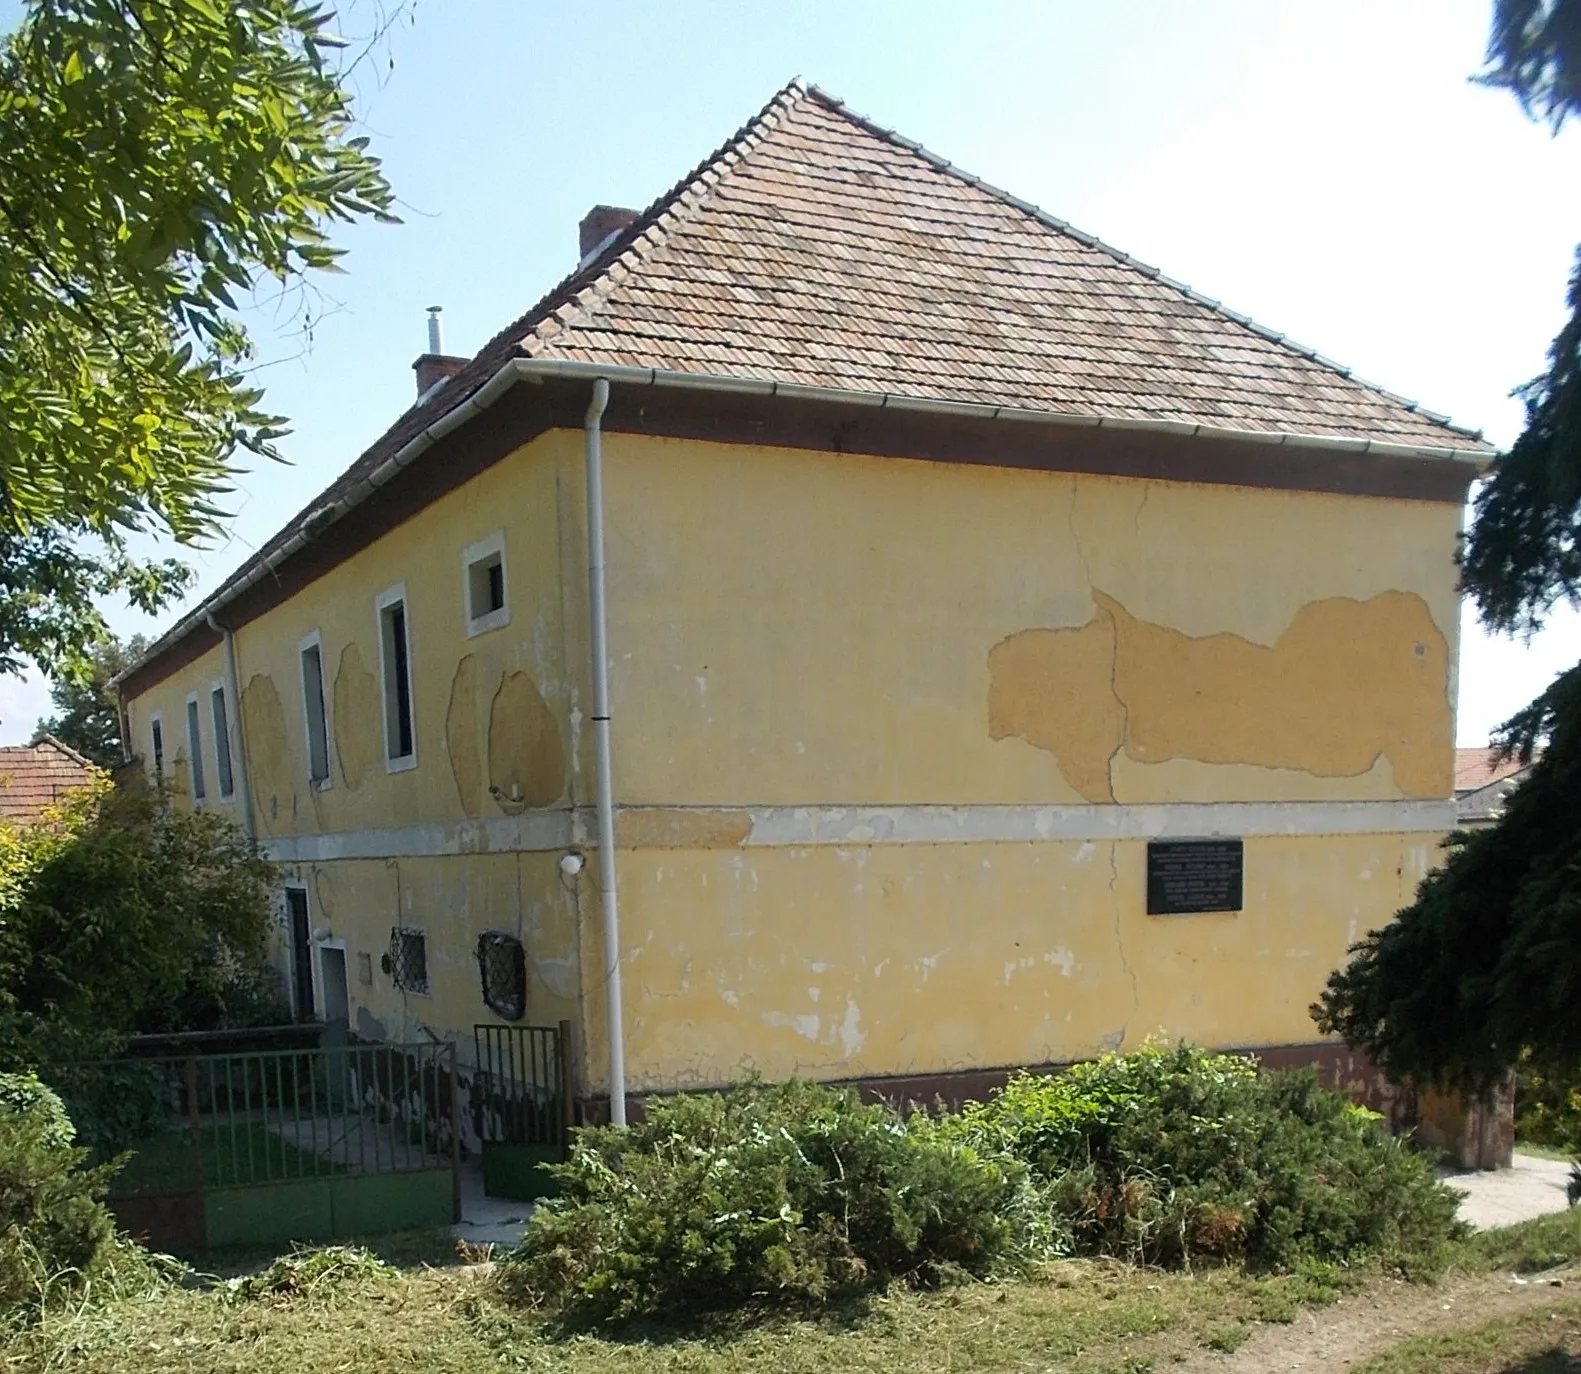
(407, 961)
(312, 662)
(483, 584)
(156, 732)
(502, 963)
(195, 749)
(222, 742)
(400, 744)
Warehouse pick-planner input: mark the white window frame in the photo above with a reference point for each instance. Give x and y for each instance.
(473, 554)
(156, 744)
(388, 597)
(217, 689)
(196, 773)
(315, 641)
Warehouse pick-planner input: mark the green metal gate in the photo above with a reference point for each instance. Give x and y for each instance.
(521, 1105)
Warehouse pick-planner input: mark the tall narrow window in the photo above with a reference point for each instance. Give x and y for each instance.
(313, 711)
(222, 742)
(156, 734)
(483, 584)
(400, 745)
(195, 749)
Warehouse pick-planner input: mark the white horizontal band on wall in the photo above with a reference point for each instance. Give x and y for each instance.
(809, 826)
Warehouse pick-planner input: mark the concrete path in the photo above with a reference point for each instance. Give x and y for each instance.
(1531, 1187)
(488, 1220)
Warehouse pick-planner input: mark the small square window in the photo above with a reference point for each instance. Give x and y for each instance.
(502, 963)
(483, 584)
(407, 961)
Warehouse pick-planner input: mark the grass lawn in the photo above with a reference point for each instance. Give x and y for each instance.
(247, 1153)
(1546, 1340)
(1079, 1316)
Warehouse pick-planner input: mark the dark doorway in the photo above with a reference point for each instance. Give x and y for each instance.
(301, 954)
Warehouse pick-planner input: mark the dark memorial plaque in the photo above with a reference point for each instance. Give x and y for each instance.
(1189, 876)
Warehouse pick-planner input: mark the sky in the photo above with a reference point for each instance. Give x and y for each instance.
(1328, 169)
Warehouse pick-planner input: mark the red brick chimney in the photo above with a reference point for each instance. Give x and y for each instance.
(598, 225)
(435, 365)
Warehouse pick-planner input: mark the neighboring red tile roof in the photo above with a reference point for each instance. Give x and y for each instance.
(815, 247)
(33, 776)
(1476, 768)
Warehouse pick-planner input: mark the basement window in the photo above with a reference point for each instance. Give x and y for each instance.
(483, 584)
(502, 964)
(156, 734)
(195, 749)
(222, 742)
(317, 721)
(407, 961)
(400, 743)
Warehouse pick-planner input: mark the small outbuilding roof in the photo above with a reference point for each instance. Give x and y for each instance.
(34, 776)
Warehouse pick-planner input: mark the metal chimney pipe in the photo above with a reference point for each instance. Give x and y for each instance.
(436, 342)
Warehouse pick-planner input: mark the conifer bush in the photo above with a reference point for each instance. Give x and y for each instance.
(54, 1228)
(787, 1194)
(1165, 1156)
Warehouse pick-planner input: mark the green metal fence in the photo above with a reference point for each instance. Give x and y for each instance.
(265, 1146)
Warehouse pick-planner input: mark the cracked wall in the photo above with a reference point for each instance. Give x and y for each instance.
(1346, 683)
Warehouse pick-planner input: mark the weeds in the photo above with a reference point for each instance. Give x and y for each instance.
(309, 1272)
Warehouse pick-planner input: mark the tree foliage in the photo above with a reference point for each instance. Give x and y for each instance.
(121, 914)
(159, 161)
(1483, 969)
(87, 713)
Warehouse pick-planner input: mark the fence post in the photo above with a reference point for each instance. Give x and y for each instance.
(455, 1137)
(567, 1107)
(194, 1120)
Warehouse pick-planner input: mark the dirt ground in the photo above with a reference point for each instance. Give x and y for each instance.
(1340, 1336)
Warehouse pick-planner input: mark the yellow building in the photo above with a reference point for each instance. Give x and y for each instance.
(1011, 654)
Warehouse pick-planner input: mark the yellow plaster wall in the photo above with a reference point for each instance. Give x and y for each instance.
(794, 628)
(493, 719)
(911, 959)
(452, 899)
(489, 712)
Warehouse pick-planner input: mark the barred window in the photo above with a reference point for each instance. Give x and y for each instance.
(407, 961)
(502, 965)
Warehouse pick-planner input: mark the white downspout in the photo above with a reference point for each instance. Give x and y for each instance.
(233, 719)
(605, 783)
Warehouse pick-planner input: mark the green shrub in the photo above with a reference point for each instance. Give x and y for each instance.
(1548, 1106)
(1166, 1155)
(310, 1271)
(54, 1230)
(788, 1193)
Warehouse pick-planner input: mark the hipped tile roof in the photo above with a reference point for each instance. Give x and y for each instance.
(815, 247)
(33, 776)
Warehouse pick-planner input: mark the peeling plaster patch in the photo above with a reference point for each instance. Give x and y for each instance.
(1063, 959)
(804, 1026)
(850, 1030)
(1085, 853)
(731, 999)
(357, 717)
(813, 994)
(526, 753)
(461, 737)
(270, 770)
(1341, 685)
(658, 827)
(1113, 1040)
